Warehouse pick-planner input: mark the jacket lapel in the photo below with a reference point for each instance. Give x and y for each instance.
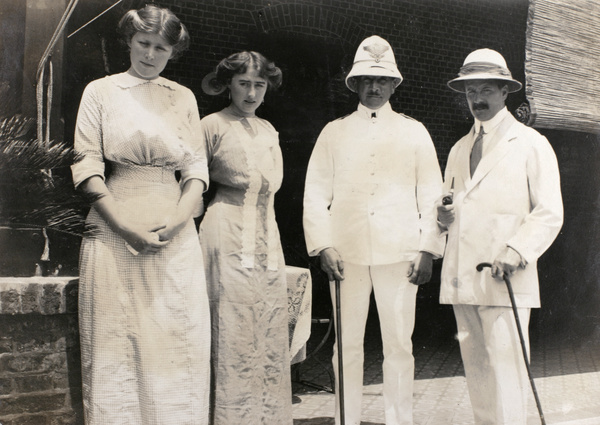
(501, 147)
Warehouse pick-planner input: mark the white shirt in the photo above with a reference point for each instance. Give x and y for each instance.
(489, 127)
(371, 187)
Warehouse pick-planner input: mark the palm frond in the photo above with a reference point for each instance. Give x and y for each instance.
(35, 180)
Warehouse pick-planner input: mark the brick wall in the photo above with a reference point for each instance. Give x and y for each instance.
(570, 269)
(40, 372)
(314, 43)
(430, 40)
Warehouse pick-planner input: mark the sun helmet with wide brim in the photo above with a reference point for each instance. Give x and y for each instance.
(484, 64)
(374, 57)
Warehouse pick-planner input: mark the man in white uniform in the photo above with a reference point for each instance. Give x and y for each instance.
(369, 213)
(507, 210)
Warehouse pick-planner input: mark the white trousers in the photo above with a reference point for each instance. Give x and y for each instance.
(395, 297)
(493, 359)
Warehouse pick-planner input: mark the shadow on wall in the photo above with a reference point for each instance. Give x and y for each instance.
(570, 269)
(313, 93)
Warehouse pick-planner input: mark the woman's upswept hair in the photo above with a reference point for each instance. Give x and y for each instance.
(156, 20)
(239, 63)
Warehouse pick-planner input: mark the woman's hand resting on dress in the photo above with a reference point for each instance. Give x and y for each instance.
(143, 240)
(189, 203)
(171, 228)
(140, 238)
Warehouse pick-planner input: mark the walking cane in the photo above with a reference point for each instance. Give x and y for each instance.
(338, 333)
(523, 346)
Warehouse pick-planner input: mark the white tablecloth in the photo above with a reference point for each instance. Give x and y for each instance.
(299, 285)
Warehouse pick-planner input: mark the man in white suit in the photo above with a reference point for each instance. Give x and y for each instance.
(369, 213)
(507, 209)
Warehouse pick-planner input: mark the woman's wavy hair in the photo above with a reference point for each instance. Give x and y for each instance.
(239, 63)
(156, 20)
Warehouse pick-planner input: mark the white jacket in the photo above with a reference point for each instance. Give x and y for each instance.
(371, 187)
(514, 200)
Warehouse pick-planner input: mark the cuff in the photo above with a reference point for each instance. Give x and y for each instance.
(198, 171)
(523, 260)
(85, 169)
(316, 252)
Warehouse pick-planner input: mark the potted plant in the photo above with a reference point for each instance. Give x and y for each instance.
(41, 216)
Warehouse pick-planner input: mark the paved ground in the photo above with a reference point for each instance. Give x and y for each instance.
(566, 369)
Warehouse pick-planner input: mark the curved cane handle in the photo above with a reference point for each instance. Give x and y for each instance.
(480, 266)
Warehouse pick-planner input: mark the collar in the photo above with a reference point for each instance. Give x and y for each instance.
(229, 111)
(491, 124)
(367, 112)
(126, 81)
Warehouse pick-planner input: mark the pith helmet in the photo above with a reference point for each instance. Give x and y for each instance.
(374, 57)
(484, 64)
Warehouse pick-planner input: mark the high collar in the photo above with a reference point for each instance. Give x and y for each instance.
(365, 112)
(126, 81)
(492, 123)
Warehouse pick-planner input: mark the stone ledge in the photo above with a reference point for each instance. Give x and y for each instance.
(38, 294)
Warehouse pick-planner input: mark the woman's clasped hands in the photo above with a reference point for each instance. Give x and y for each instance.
(141, 240)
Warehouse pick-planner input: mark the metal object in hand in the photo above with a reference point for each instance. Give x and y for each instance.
(448, 199)
(338, 333)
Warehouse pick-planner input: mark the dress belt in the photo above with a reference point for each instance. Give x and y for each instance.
(147, 173)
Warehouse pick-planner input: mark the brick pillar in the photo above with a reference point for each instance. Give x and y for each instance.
(40, 368)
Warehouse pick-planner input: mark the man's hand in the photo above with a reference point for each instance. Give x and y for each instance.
(445, 213)
(332, 264)
(508, 261)
(420, 268)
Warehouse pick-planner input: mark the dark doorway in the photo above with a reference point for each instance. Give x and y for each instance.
(313, 93)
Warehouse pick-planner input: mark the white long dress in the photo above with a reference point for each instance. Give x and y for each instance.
(245, 272)
(144, 319)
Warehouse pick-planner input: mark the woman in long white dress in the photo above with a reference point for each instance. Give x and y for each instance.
(242, 251)
(143, 309)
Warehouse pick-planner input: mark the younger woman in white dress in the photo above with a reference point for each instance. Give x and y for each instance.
(245, 268)
(143, 307)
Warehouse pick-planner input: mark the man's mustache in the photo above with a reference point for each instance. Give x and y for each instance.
(480, 106)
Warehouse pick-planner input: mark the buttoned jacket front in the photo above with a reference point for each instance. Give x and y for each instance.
(513, 199)
(371, 187)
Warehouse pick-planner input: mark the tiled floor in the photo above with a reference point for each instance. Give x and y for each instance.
(566, 371)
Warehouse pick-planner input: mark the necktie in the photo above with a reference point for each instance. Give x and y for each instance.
(476, 151)
(374, 115)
